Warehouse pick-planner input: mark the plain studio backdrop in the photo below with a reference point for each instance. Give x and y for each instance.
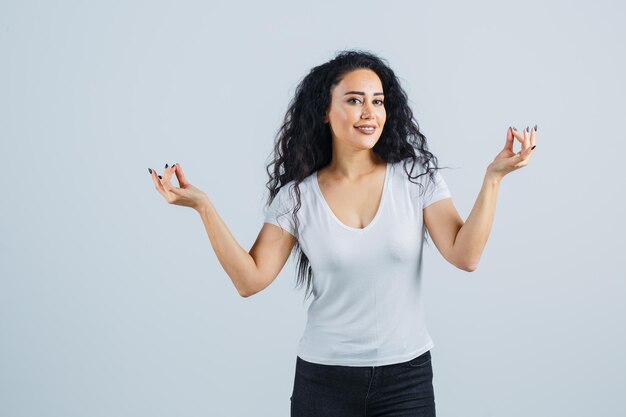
(113, 303)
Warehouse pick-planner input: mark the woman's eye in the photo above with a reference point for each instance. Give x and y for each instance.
(378, 101)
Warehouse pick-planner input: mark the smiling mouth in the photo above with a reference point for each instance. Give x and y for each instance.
(366, 130)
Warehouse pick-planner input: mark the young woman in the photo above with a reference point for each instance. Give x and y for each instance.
(355, 190)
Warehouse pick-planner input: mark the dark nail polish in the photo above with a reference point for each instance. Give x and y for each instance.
(173, 165)
(535, 128)
(533, 147)
(149, 170)
(527, 129)
(514, 128)
(165, 165)
(160, 177)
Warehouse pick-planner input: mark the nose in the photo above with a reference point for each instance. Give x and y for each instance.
(367, 113)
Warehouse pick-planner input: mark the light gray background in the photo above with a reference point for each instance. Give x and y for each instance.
(112, 302)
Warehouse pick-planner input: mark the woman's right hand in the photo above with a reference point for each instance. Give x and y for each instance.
(187, 195)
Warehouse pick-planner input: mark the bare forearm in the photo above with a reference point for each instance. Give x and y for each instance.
(235, 260)
(472, 237)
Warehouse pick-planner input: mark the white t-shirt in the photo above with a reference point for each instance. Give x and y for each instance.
(366, 307)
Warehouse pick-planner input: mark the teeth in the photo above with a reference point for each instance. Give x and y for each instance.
(366, 128)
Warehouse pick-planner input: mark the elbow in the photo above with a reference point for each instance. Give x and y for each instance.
(254, 286)
(246, 288)
(246, 294)
(465, 261)
(469, 267)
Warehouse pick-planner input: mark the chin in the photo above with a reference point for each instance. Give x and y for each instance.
(367, 144)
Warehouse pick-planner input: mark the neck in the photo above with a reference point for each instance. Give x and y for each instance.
(353, 167)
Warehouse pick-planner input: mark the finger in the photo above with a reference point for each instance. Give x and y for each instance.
(509, 139)
(524, 156)
(180, 175)
(167, 185)
(526, 138)
(533, 133)
(169, 171)
(166, 177)
(175, 190)
(528, 152)
(518, 136)
(520, 159)
(157, 183)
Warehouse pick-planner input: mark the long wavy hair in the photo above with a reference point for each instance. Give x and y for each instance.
(303, 143)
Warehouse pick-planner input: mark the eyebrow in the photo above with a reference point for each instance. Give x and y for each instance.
(362, 93)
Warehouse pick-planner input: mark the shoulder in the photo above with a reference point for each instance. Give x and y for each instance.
(415, 168)
(288, 193)
(407, 167)
(285, 193)
(418, 179)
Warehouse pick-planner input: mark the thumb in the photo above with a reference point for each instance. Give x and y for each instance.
(180, 175)
(517, 158)
(175, 190)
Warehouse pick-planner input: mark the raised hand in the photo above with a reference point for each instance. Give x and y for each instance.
(507, 160)
(187, 195)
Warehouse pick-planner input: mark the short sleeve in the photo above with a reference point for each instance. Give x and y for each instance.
(436, 191)
(280, 211)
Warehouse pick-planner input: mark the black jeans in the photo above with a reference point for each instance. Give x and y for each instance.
(400, 389)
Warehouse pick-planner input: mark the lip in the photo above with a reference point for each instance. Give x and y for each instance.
(365, 132)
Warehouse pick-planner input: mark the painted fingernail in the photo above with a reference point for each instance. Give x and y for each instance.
(514, 128)
(535, 128)
(173, 165)
(160, 177)
(534, 146)
(149, 170)
(527, 129)
(165, 165)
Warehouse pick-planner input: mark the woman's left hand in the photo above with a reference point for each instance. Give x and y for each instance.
(507, 160)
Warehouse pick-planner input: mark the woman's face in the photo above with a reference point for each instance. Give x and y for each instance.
(357, 101)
